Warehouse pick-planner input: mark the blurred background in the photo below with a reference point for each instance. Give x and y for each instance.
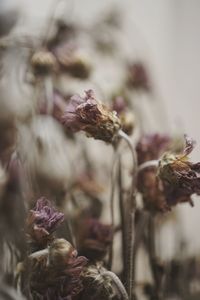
(165, 35)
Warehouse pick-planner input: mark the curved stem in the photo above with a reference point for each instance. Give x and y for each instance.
(131, 208)
(147, 164)
(118, 284)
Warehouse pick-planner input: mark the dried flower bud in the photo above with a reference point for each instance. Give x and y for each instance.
(179, 176)
(151, 146)
(55, 272)
(43, 221)
(94, 239)
(97, 286)
(43, 62)
(94, 118)
(60, 251)
(138, 77)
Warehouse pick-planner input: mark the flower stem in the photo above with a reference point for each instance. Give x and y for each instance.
(147, 164)
(131, 209)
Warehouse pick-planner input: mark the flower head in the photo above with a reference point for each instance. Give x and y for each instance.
(95, 239)
(94, 118)
(43, 221)
(179, 176)
(55, 273)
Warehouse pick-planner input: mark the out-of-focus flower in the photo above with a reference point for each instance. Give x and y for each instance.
(43, 221)
(43, 62)
(94, 118)
(151, 147)
(138, 77)
(126, 116)
(88, 184)
(179, 176)
(71, 60)
(94, 239)
(55, 273)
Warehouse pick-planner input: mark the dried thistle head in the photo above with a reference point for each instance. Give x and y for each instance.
(43, 62)
(94, 239)
(42, 221)
(180, 177)
(89, 115)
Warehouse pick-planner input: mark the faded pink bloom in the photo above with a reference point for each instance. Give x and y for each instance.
(43, 221)
(88, 115)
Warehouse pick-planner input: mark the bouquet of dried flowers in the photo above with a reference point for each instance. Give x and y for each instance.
(84, 187)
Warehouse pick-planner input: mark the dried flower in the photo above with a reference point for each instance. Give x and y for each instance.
(43, 62)
(55, 273)
(94, 118)
(71, 61)
(179, 176)
(100, 284)
(43, 221)
(138, 77)
(94, 239)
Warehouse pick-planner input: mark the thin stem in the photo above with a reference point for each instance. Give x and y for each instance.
(122, 217)
(112, 195)
(147, 164)
(118, 283)
(131, 208)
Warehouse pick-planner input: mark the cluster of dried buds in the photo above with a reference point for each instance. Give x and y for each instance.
(61, 55)
(53, 269)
